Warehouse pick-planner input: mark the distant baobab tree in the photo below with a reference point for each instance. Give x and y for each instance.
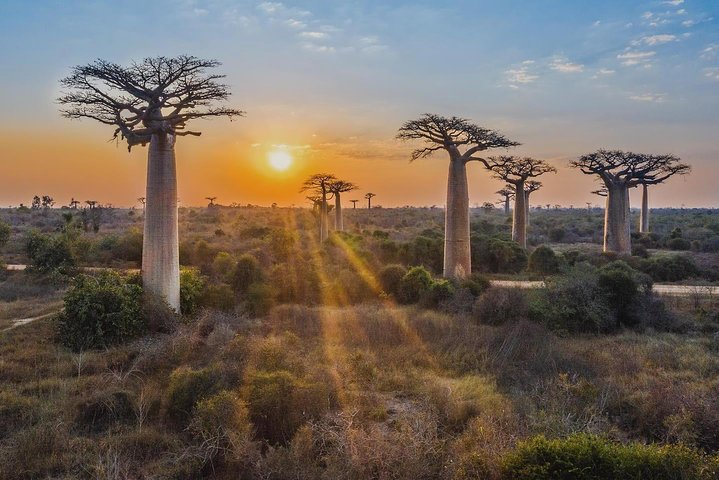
(530, 187)
(212, 201)
(621, 171)
(507, 193)
(74, 203)
(671, 167)
(151, 102)
(453, 135)
(488, 207)
(337, 188)
(517, 171)
(354, 204)
(319, 185)
(369, 196)
(142, 201)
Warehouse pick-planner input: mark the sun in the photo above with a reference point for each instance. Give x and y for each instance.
(279, 160)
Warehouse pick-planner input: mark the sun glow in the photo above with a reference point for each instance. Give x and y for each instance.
(279, 160)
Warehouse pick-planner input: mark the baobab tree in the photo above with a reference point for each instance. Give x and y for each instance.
(463, 141)
(621, 171)
(517, 171)
(151, 102)
(507, 193)
(337, 188)
(319, 186)
(673, 167)
(369, 196)
(142, 201)
(354, 204)
(211, 200)
(74, 203)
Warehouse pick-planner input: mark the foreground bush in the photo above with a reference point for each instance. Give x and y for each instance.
(592, 458)
(100, 311)
(543, 261)
(50, 253)
(192, 285)
(390, 278)
(416, 282)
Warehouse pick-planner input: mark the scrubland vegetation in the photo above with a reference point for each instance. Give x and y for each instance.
(354, 359)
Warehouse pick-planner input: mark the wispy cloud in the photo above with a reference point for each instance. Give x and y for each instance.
(563, 65)
(652, 40)
(674, 2)
(520, 75)
(314, 35)
(649, 97)
(710, 52)
(712, 73)
(634, 57)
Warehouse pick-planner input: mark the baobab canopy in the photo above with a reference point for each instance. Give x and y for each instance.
(156, 95)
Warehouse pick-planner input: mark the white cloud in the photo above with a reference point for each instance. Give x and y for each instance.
(632, 58)
(293, 23)
(270, 8)
(652, 40)
(710, 51)
(314, 35)
(565, 66)
(649, 97)
(674, 2)
(313, 47)
(712, 73)
(520, 75)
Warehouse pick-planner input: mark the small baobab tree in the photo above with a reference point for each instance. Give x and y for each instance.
(74, 203)
(530, 187)
(354, 204)
(463, 141)
(507, 193)
(672, 167)
(517, 172)
(369, 197)
(620, 171)
(338, 187)
(211, 200)
(318, 185)
(142, 201)
(151, 102)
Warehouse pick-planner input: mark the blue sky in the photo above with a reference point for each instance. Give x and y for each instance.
(562, 77)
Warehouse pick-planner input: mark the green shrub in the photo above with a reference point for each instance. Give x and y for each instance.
(222, 265)
(543, 261)
(424, 250)
(129, 246)
(496, 255)
(5, 231)
(679, 244)
(416, 282)
(259, 299)
(186, 388)
(440, 291)
(623, 288)
(247, 271)
(50, 253)
(500, 305)
(97, 413)
(589, 457)
(669, 268)
(476, 284)
(100, 311)
(192, 284)
(390, 277)
(219, 296)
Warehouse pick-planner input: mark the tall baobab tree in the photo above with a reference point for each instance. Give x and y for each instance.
(517, 171)
(74, 203)
(211, 200)
(354, 204)
(369, 196)
(319, 186)
(463, 141)
(673, 168)
(621, 171)
(337, 188)
(530, 187)
(507, 193)
(151, 102)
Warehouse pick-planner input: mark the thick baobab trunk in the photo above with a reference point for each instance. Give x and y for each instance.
(519, 219)
(339, 224)
(457, 254)
(526, 209)
(644, 215)
(324, 224)
(160, 249)
(616, 220)
(369, 203)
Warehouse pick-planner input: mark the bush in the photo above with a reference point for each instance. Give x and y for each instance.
(186, 388)
(259, 299)
(100, 311)
(440, 292)
(192, 284)
(219, 296)
(623, 287)
(669, 268)
(495, 255)
(222, 265)
(543, 261)
(247, 271)
(5, 232)
(476, 284)
(500, 305)
(679, 244)
(390, 278)
(97, 413)
(50, 253)
(129, 246)
(416, 282)
(589, 457)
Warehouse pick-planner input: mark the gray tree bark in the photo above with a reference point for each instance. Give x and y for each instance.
(506, 205)
(324, 224)
(616, 220)
(457, 255)
(644, 216)
(339, 223)
(519, 220)
(160, 248)
(526, 209)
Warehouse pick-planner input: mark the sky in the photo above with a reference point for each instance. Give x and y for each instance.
(330, 82)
